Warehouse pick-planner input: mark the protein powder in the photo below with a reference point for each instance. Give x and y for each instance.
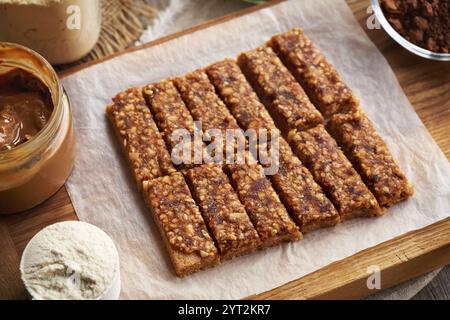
(71, 260)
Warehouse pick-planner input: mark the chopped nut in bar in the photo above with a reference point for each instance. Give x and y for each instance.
(302, 196)
(169, 109)
(171, 114)
(224, 214)
(279, 91)
(181, 224)
(200, 97)
(239, 96)
(371, 157)
(139, 136)
(318, 77)
(334, 173)
(263, 205)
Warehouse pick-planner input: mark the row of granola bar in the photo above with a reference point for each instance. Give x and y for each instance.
(213, 212)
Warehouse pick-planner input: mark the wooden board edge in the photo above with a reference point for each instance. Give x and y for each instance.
(400, 259)
(195, 28)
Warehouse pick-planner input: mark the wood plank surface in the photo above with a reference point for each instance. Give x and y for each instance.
(400, 259)
(426, 84)
(11, 286)
(438, 288)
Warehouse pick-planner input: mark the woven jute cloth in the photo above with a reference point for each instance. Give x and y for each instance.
(123, 21)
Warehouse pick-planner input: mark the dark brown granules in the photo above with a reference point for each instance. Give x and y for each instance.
(425, 23)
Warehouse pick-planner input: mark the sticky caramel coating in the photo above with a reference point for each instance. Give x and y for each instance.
(224, 214)
(285, 99)
(263, 205)
(334, 173)
(318, 77)
(239, 96)
(371, 157)
(171, 114)
(302, 196)
(144, 147)
(180, 223)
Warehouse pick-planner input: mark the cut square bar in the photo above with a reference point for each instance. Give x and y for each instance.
(180, 223)
(263, 205)
(224, 214)
(318, 77)
(371, 157)
(285, 99)
(137, 132)
(171, 114)
(302, 196)
(238, 95)
(334, 173)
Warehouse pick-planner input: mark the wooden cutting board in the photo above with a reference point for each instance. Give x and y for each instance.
(427, 85)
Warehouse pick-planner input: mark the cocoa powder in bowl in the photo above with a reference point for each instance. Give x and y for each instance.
(426, 23)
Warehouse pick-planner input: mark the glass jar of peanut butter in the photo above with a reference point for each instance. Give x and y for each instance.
(37, 146)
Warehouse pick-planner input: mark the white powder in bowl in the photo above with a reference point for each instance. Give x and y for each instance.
(69, 260)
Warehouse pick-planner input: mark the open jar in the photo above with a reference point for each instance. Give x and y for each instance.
(33, 170)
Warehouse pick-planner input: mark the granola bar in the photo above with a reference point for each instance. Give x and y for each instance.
(201, 99)
(205, 106)
(180, 223)
(302, 196)
(139, 136)
(168, 108)
(318, 77)
(239, 96)
(371, 157)
(263, 205)
(334, 173)
(224, 214)
(279, 91)
(171, 114)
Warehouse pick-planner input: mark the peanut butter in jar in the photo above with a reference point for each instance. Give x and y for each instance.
(36, 137)
(25, 108)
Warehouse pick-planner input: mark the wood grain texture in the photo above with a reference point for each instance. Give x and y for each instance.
(11, 286)
(438, 288)
(427, 85)
(399, 259)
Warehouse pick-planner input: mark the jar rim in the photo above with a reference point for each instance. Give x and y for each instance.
(37, 68)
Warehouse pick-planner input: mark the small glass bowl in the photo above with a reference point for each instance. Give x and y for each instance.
(402, 41)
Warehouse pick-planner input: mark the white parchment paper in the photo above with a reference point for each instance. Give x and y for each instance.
(103, 192)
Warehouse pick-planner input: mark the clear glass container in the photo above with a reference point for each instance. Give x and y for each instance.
(33, 171)
(63, 31)
(402, 41)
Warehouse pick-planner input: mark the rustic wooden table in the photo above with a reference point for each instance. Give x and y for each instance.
(426, 83)
(438, 288)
